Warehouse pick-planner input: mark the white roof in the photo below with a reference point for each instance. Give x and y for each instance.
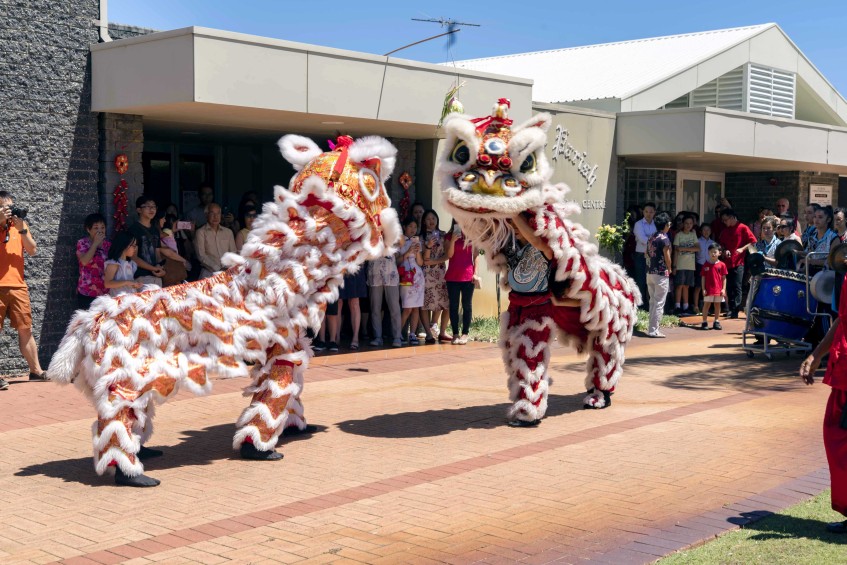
(612, 70)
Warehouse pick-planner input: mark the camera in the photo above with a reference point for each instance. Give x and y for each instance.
(18, 211)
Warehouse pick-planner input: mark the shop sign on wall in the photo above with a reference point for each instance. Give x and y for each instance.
(820, 194)
(579, 159)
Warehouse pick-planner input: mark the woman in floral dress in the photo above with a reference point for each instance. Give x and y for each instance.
(436, 300)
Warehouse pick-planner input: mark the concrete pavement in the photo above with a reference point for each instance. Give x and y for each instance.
(412, 463)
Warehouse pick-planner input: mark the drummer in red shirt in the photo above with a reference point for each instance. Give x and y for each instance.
(734, 239)
(835, 417)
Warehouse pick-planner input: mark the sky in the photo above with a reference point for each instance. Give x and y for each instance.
(818, 27)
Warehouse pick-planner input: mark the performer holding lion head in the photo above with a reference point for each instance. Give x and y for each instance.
(495, 182)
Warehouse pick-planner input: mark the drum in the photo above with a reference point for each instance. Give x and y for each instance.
(779, 306)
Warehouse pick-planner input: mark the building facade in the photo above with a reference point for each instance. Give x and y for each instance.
(679, 121)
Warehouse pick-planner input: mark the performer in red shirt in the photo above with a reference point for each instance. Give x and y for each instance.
(835, 417)
(734, 237)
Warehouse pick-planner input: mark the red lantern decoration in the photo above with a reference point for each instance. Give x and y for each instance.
(121, 205)
(122, 163)
(120, 193)
(405, 181)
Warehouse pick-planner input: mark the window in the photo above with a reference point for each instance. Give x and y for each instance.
(651, 185)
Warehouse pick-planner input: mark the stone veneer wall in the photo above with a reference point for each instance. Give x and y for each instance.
(406, 151)
(120, 134)
(750, 191)
(48, 151)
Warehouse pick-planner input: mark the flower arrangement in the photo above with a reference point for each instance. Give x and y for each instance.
(611, 237)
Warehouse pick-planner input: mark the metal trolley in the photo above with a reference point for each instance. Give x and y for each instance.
(780, 311)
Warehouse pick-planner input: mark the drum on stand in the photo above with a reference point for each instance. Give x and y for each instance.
(779, 306)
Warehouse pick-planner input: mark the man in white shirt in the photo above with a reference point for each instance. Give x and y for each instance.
(642, 230)
(198, 214)
(211, 242)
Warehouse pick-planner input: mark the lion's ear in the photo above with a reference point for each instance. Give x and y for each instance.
(540, 121)
(298, 150)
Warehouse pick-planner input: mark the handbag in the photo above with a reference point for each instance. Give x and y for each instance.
(407, 276)
(175, 272)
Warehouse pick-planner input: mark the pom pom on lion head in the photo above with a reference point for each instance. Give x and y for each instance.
(350, 181)
(488, 167)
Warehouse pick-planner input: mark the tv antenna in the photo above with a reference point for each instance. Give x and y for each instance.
(450, 24)
(452, 27)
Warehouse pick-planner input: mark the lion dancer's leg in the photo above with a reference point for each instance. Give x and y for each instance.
(607, 355)
(526, 330)
(275, 405)
(124, 422)
(605, 365)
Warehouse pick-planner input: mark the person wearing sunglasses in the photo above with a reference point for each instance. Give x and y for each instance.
(247, 217)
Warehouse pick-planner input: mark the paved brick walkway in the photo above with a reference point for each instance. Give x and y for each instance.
(412, 464)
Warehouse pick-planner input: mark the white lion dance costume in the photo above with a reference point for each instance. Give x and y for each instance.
(129, 352)
(493, 175)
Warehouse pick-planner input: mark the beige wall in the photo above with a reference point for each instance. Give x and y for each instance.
(216, 78)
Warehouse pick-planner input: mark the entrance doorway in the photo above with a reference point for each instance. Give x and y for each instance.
(699, 192)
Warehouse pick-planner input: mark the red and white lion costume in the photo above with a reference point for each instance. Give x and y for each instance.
(491, 172)
(129, 352)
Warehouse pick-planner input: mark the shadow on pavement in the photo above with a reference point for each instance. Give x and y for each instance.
(778, 526)
(198, 447)
(714, 371)
(441, 422)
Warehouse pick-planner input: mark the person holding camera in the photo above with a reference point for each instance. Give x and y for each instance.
(15, 239)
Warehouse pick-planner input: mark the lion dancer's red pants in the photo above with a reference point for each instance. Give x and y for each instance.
(529, 326)
(835, 442)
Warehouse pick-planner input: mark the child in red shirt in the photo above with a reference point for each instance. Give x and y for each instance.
(713, 281)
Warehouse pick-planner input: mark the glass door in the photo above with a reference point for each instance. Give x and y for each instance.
(699, 192)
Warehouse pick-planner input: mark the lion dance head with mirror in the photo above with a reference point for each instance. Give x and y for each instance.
(495, 181)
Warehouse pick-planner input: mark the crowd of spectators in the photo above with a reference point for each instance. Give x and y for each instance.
(423, 287)
(667, 256)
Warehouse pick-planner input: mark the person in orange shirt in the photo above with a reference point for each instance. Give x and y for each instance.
(15, 239)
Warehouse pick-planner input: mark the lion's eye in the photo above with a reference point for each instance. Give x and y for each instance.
(528, 164)
(461, 153)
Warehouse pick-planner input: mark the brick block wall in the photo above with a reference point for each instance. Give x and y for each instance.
(750, 191)
(123, 31)
(406, 154)
(120, 134)
(48, 151)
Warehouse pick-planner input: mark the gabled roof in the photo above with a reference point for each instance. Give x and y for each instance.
(612, 70)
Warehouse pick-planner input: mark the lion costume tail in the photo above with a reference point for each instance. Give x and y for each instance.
(65, 363)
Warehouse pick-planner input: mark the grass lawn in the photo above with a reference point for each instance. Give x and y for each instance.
(795, 536)
(488, 328)
(485, 329)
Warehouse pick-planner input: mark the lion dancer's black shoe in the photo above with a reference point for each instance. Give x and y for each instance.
(249, 451)
(523, 423)
(593, 401)
(295, 431)
(146, 453)
(141, 481)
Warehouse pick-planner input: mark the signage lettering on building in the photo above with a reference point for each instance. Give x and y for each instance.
(589, 204)
(579, 159)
